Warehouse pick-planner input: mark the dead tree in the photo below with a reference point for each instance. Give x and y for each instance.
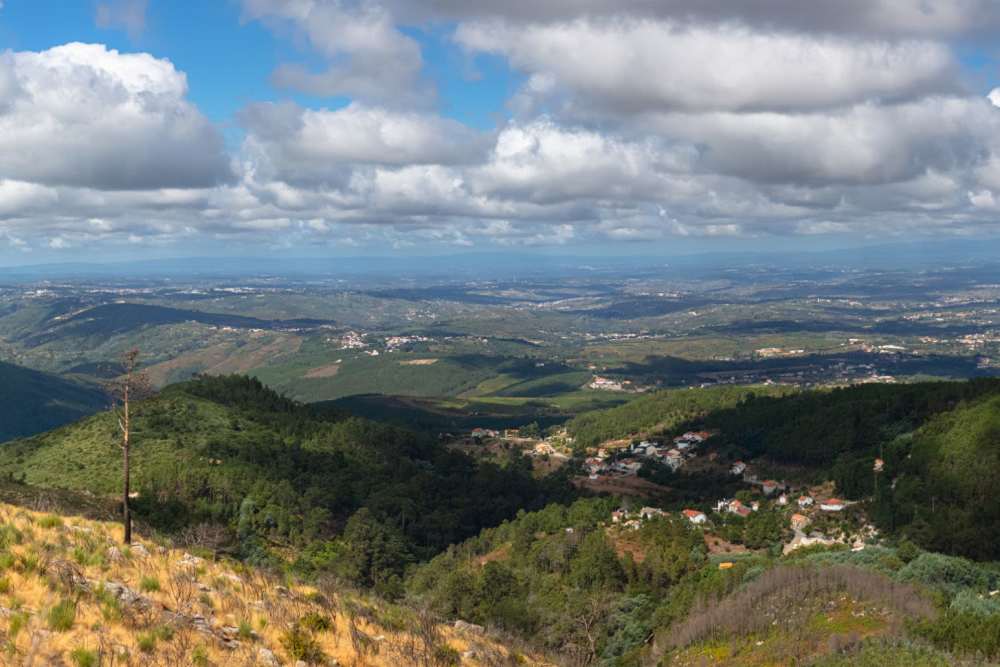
(132, 385)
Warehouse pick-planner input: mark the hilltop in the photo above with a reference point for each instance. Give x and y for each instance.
(32, 401)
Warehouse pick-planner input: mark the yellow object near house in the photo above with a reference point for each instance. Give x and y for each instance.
(726, 566)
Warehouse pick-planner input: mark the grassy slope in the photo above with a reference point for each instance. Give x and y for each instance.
(41, 555)
(32, 401)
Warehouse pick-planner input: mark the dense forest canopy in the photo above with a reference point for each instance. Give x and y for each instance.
(229, 451)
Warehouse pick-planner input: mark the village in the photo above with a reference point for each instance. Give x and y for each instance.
(808, 515)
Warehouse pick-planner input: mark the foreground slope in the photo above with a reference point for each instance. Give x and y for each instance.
(71, 595)
(32, 401)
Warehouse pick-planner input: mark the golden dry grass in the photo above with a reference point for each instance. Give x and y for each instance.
(46, 559)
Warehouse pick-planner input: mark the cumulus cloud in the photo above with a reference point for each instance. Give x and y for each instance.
(293, 144)
(368, 57)
(864, 144)
(639, 65)
(636, 121)
(84, 115)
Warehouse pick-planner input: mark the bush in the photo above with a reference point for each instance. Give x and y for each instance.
(971, 602)
(300, 644)
(949, 573)
(17, 623)
(315, 622)
(62, 616)
(146, 642)
(50, 521)
(199, 657)
(446, 656)
(149, 584)
(81, 657)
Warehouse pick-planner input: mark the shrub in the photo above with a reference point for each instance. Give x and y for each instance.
(948, 573)
(4, 585)
(146, 642)
(50, 521)
(62, 616)
(315, 622)
(973, 603)
(300, 644)
(246, 630)
(199, 657)
(83, 658)
(446, 656)
(17, 623)
(149, 585)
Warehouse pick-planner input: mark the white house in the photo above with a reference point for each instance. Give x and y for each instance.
(738, 468)
(694, 516)
(832, 505)
(805, 501)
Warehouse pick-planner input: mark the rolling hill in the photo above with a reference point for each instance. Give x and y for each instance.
(275, 474)
(32, 401)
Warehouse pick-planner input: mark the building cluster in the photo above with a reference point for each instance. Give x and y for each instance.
(634, 520)
(394, 343)
(674, 455)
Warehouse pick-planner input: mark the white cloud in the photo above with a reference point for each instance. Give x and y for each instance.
(293, 144)
(633, 66)
(859, 145)
(892, 18)
(368, 57)
(84, 115)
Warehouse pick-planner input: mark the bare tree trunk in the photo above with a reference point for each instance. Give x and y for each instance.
(132, 384)
(126, 512)
(126, 428)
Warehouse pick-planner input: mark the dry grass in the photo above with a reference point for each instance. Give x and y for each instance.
(68, 590)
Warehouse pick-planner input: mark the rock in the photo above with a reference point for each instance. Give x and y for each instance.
(114, 554)
(301, 663)
(282, 591)
(204, 588)
(125, 595)
(189, 560)
(139, 549)
(471, 628)
(469, 655)
(266, 657)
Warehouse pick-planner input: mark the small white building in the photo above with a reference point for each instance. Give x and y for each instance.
(832, 505)
(738, 468)
(805, 501)
(695, 517)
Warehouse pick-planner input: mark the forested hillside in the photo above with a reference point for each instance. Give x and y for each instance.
(32, 401)
(663, 410)
(228, 452)
(574, 583)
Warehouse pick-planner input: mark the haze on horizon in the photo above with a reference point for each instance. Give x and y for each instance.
(132, 129)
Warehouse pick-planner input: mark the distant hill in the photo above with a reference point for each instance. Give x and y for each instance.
(32, 402)
(118, 318)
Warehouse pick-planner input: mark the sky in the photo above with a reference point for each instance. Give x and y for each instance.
(170, 128)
